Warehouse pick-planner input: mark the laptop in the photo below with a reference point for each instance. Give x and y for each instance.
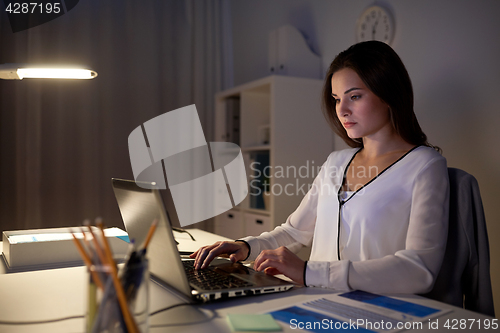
(222, 279)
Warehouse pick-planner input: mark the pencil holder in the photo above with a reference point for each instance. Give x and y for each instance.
(104, 311)
(136, 287)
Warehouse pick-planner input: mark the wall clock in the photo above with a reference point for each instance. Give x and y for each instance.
(375, 23)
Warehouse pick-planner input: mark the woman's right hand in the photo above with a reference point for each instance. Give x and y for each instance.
(236, 251)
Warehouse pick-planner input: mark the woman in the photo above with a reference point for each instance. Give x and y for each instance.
(377, 214)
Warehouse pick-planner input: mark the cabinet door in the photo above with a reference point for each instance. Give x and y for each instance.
(230, 225)
(256, 224)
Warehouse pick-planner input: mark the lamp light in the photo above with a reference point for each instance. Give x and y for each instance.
(19, 72)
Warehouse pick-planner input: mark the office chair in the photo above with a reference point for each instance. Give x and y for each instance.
(464, 278)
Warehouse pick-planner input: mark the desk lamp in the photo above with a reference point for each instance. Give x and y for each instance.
(19, 72)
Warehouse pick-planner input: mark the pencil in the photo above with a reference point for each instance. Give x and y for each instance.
(129, 320)
(87, 262)
(151, 231)
(98, 248)
(87, 246)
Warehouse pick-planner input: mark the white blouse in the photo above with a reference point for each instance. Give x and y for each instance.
(392, 231)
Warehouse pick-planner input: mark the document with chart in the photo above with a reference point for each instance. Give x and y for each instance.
(359, 311)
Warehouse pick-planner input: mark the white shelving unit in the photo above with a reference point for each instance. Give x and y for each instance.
(275, 120)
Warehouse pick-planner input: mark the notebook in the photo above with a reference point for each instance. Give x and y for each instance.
(139, 206)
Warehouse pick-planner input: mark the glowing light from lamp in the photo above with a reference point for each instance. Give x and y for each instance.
(19, 72)
(55, 73)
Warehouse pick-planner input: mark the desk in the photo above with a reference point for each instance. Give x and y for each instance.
(56, 293)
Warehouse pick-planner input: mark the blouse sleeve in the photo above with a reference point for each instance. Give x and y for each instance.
(413, 269)
(298, 229)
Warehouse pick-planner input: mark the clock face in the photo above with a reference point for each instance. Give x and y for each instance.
(375, 23)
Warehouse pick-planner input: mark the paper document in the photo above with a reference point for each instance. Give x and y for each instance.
(358, 311)
(59, 236)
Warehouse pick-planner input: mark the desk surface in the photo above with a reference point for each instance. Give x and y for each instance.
(56, 293)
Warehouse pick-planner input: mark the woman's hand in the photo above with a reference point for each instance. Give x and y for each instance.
(281, 261)
(235, 250)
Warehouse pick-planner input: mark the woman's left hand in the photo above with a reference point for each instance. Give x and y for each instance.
(281, 261)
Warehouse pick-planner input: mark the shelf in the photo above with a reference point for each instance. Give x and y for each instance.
(251, 210)
(257, 211)
(280, 123)
(256, 148)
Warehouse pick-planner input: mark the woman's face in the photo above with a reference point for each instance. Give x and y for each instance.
(362, 113)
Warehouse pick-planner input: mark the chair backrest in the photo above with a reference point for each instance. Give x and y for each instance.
(464, 278)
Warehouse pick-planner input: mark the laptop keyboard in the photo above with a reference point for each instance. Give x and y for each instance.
(209, 279)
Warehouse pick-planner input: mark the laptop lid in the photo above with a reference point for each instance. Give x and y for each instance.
(139, 207)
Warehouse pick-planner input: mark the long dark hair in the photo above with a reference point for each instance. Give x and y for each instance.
(383, 72)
